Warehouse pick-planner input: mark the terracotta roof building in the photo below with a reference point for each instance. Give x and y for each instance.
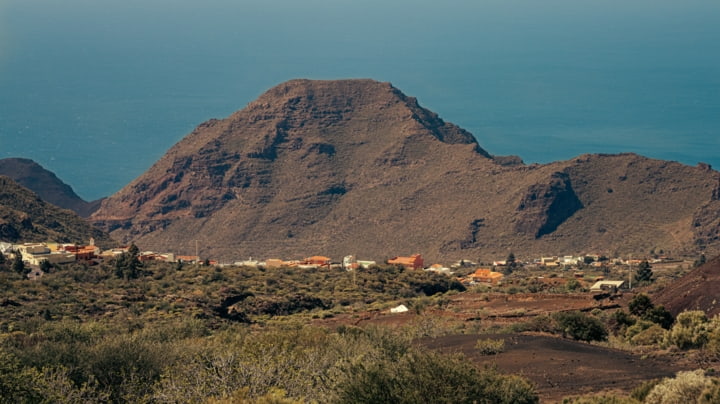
(414, 261)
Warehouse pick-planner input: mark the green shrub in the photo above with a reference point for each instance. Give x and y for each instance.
(640, 304)
(537, 324)
(637, 328)
(659, 315)
(689, 330)
(602, 399)
(490, 346)
(422, 377)
(581, 326)
(640, 392)
(18, 384)
(620, 321)
(686, 387)
(653, 335)
(572, 285)
(711, 393)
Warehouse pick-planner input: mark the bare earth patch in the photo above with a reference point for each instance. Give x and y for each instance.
(560, 367)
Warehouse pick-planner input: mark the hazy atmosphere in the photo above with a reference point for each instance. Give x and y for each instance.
(96, 91)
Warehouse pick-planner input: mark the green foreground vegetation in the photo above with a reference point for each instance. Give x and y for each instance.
(168, 333)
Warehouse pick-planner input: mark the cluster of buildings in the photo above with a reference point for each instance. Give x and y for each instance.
(34, 254)
(58, 253)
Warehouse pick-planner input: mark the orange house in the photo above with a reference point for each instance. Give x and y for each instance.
(188, 258)
(486, 276)
(414, 261)
(317, 260)
(82, 252)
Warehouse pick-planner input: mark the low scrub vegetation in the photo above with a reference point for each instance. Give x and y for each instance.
(167, 334)
(686, 387)
(490, 346)
(180, 362)
(571, 324)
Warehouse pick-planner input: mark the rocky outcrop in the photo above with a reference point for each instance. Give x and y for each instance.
(357, 167)
(545, 206)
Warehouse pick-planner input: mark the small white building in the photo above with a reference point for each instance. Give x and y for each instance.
(366, 264)
(602, 286)
(399, 309)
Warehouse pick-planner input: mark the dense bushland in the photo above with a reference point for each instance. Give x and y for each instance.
(184, 362)
(158, 334)
(157, 291)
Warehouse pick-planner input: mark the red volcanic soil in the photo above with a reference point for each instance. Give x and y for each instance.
(560, 367)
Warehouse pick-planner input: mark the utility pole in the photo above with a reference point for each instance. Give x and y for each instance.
(197, 255)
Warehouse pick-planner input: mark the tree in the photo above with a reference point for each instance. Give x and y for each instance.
(18, 264)
(510, 260)
(660, 315)
(640, 305)
(581, 326)
(45, 266)
(127, 265)
(510, 264)
(644, 273)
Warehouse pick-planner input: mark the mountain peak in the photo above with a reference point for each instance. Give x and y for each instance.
(332, 100)
(357, 167)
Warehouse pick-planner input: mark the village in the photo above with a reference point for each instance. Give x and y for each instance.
(516, 308)
(39, 256)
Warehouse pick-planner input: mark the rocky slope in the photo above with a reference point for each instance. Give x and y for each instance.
(25, 217)
(356, 167)
(697, 290)
(46, 184)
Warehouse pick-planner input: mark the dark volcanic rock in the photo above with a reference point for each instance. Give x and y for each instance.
(46, 184)
(356, 167)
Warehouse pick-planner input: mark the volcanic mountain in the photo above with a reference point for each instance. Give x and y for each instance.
(357, 167)
(46, 184)
(25, 217)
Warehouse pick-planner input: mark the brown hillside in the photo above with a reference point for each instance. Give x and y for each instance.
(46, 184)
(24, 217)
(355, 166)
(697, 290)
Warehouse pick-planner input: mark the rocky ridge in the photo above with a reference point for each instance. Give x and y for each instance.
(46, 184)
(25, 217)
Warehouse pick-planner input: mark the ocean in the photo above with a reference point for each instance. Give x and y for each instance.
(97, 91)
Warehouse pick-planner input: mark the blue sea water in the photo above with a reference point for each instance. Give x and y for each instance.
(96, 91)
